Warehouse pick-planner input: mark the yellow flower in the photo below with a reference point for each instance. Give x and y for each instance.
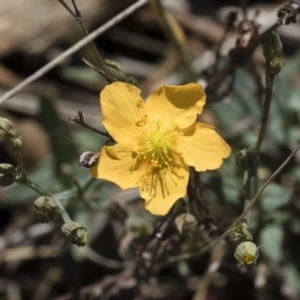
(156, 141)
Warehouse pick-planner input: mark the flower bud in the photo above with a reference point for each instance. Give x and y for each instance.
(7, 174)
(75, 232)
(7, 129)
(246, 253)
(275, 66)
(186, 224)
(272, 46)
(247, 159)
(240, 231)
(17, 143)
(88, 159)
(47, 207)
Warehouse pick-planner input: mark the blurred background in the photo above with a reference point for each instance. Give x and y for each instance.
(36, 260)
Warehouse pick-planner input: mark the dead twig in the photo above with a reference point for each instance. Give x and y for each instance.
(78, 17)
(80, 121)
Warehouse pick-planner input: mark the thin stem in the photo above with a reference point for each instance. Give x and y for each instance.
(80, 121)
(43, 192)
(266, 109)
(171, 35)
(73, 49)
(77, 16)
(97, 258)
(21, 168)
(185, 256)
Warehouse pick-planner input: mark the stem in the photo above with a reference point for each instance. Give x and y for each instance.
(266, 108)
(171, 35)
(80, 121)
(21, 168)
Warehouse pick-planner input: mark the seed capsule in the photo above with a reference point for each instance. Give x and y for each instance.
(246, 253)
(76, 233)
(88, 159)
(47, 207)
(240, 231)
(186, 224)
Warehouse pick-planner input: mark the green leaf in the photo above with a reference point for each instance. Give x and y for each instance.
(275, 196)
(270, 239)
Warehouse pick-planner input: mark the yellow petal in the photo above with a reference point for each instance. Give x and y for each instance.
(122, 106)
(203, 148)
(118, 164)
(179, 104)
(166, 190)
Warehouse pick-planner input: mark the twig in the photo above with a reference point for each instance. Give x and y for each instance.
(73, 49)
(185, 256)
(78, 17)
(80, 121)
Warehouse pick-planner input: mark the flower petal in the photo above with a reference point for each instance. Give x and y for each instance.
(168, 189)
(117, 164)
(179, 104)
(122, 106)
(203, 147)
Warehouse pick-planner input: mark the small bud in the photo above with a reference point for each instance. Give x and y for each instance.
(76, 233)
(240, 231)
(7, 174)
(272, 46)
(186, 224)
(17, 143)
(247, 159)
(113, 65)
(131, 80)
(275, 66)
(7, 129)
(118, 72)
(88, 159)
(47, 207)
(246, 253)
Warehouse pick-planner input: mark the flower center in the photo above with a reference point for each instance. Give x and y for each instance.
(157, 143)
(158, 150)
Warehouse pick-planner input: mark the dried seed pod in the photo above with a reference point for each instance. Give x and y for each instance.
(246, 253)
(240, 231)
(186, 224)
(76, 233)
(88, 159)
(288, 13)
(47, 207)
